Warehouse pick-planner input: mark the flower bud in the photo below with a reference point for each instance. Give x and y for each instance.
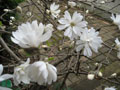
(29, 14)
(19, 9)
(6, 10)
(12, 18)
(48, 11)
(114, 75)
(90, 76)
(100, 74)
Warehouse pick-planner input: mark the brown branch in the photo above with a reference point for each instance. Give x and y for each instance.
(10, 51)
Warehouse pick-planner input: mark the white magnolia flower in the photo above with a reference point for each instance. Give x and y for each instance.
(73, 25)
(4, 76)
(42, 72)
(31, 34)
(110, 88)
(54, 10)
(89, 40)
(20, 74)
(71, 4)
(90, 76)
(116, 19)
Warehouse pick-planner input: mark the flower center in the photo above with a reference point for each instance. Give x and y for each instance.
(72, 24)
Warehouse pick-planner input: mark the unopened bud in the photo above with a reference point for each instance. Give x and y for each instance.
(87, 11)
(48, 11)
(29, 14)
(19, 9)
(90, 76)
(114, 75)
(100, 74)
(6, 10)
(12, 18)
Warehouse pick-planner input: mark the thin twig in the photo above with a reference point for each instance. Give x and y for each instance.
(10, 51)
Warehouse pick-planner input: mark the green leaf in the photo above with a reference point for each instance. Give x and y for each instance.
(6, 83)
(50, 58)
(1, 23)
(27, 54)
(49, 43)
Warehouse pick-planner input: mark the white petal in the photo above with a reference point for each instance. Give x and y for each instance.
(87, 51)
(79, 48)
(68, 32)
(26, 79)
(5, 77)
(4, 88)
(14, 40)
(52, 75)
(67, 15)
(61, 27)
(1, 69)
(63, 21)
(77, 30)
(77, 17)
(46, 36)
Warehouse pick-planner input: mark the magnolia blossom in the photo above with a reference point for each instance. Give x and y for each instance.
(32, 35)
(110, 88)
(20, 74)
(116, 19)
(73, 25)
(89, 40)
(118, 47)
(4, 76)
(42, 72)
(54, 10)
(71, 3)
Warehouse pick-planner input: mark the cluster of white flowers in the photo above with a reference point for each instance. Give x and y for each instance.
(40, 72)
(75, 27)
(116, 19)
